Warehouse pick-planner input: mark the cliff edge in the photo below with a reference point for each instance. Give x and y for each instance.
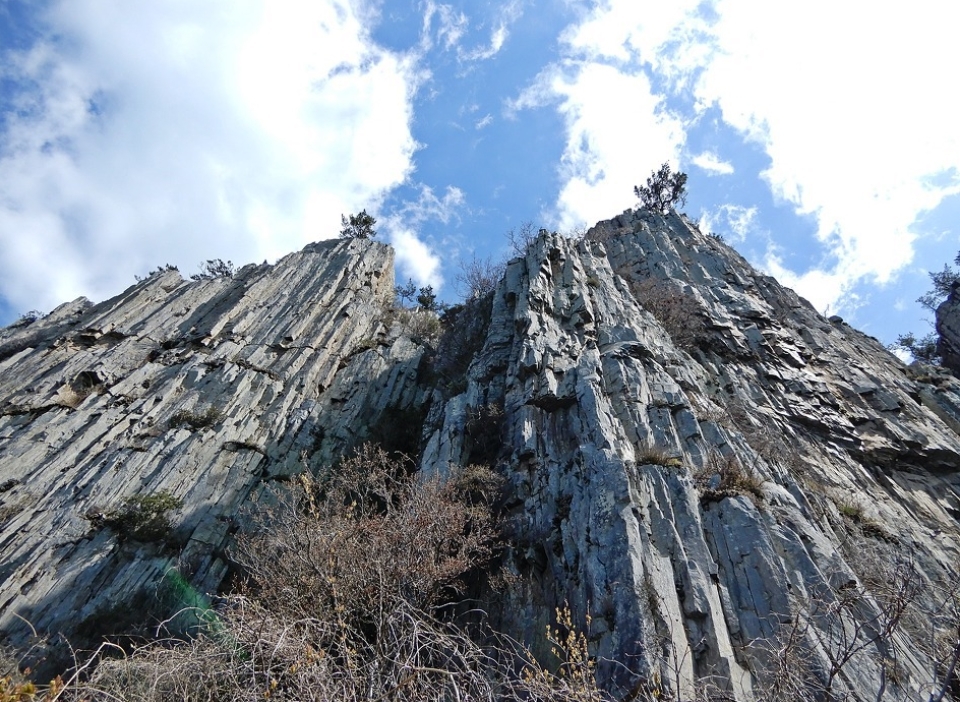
(715, 479)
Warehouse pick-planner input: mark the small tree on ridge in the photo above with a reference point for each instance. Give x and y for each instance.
(358, 226)
(664, 190)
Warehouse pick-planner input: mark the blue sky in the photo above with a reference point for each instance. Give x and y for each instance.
(819, 137)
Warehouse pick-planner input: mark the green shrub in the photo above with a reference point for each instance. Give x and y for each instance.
(196, 420)
(664, 190)
(160, 270)
(141, 518)
(27, 318)
(214, 268)
(358, 226)
(464, 332)
(483, 434)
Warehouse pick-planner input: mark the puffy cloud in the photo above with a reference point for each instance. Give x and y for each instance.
(616, 130)
(849, 106)
(415, 257)
(712, 163)
(855, 129)
(145, 134)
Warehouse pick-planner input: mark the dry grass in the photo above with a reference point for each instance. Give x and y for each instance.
(725, 476)
(678, 311)
(658, 456)
(346, 595)
(423, 326)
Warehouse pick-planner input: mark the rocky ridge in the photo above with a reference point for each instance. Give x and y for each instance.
(208, 391)
(697, 463)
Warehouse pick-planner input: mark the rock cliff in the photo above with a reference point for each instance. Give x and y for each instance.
(948, 330)
(711, 475)
(204, 391)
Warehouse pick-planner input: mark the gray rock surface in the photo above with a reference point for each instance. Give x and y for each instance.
(697, 463)
(212, 391)
(621, 434)
(948, 328)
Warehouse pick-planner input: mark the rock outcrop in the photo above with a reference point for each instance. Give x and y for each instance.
(708, 473)
(948, 329)
(695, 485)
(207, 392)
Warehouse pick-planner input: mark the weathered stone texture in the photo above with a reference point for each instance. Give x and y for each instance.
(678, 574)
(286, 358)
(694, 458)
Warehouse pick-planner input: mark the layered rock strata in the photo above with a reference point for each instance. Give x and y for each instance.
(948, 329)
(207, 392)
(699, 482)
(703, 469)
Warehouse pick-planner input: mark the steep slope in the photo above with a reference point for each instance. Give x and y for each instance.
(700, 486)
(207, 391)
(711, 476)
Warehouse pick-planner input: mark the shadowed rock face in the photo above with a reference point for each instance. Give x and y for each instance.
(696, 461)
(948, 327)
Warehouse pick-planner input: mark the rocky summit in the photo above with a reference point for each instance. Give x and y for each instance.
(722, 487)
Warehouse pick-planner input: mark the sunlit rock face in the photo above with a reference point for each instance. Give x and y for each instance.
(699, 464)
(214, 391)
(706, 471)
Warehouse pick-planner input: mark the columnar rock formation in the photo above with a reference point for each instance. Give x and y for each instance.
(708, 472)
(211, 391)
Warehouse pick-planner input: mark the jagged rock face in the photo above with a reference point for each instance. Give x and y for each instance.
(696, 462)
(211, 391)
(948, 328)
(621, 437)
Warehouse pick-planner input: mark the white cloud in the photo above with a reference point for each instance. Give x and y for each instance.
(415, 257)
(508, 14)
(485, 122)
(154, 133)
(616, 130)
(632, 31)
(429, 206)
(735, 222)
(849, 105)
(853, 130)
(712, 163)
(451, 26)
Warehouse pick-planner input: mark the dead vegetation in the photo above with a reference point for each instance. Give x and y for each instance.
(726, 476)
(678, 311)
(348, 590)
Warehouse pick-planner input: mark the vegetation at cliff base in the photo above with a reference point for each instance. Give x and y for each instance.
(347, 590)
